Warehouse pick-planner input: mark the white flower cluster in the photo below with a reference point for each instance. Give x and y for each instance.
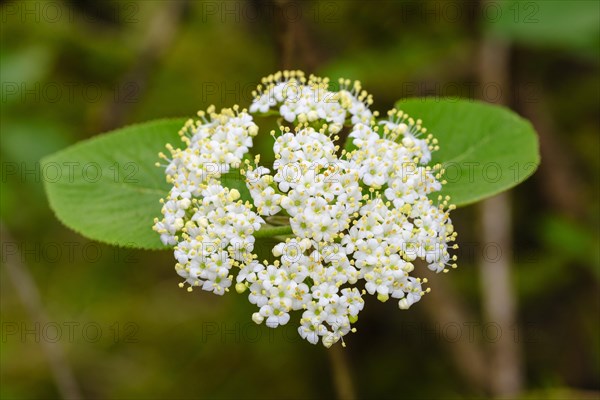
(358, 216)
(302, 101)
(208, 224)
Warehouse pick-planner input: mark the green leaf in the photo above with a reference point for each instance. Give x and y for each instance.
(485, 149)
(107, 188)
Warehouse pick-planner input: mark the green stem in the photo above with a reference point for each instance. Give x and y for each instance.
(270, 231)
(342, 376)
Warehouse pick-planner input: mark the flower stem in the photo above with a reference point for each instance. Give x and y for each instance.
(342, 377)
(270, 231)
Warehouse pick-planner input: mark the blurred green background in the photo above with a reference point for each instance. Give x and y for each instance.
(115, 321)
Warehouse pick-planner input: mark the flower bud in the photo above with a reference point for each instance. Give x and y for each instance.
(240, 288)
(257, 318)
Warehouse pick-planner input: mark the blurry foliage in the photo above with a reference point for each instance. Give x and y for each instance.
(387, 45)
(560, 25)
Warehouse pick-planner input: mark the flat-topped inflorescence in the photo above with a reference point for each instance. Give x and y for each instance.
(359, 218)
